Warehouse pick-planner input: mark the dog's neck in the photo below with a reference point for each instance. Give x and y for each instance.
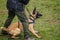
(31, 19)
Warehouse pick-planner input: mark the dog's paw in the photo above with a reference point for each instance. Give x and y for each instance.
(36, 31)
(39, 36)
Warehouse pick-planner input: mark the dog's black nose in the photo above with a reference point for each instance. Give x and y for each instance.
(40, 14)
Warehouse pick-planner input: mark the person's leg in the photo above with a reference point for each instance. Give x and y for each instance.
(22, 17)
(11, 15)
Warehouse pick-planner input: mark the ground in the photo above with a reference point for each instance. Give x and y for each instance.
(48, 25)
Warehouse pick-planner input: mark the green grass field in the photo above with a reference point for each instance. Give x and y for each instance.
(48, 25)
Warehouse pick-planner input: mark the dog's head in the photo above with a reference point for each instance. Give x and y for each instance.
(36, 14)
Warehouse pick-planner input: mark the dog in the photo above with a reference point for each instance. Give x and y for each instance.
(16, 28)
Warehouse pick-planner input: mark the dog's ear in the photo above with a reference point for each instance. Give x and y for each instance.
(34, 10)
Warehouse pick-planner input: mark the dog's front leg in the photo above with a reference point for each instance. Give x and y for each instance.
(33, 31)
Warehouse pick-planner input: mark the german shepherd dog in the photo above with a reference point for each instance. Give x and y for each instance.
(14, 30)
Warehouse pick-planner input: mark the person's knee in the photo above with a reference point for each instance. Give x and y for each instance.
(11, 17)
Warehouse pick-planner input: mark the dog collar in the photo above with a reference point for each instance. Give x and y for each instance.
(32, 16)
(32, 21)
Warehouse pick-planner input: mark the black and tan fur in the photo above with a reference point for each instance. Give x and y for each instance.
(14, 30)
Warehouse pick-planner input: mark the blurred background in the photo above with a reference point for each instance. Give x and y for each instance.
(48, 25)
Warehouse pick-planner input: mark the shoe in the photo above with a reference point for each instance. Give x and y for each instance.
(3, 32)
(30, 39)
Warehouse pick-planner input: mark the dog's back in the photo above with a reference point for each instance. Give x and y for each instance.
(13, 26)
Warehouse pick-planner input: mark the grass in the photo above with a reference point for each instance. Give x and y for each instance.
(48, 25)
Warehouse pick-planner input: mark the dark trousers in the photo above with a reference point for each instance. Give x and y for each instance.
(21, 16)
